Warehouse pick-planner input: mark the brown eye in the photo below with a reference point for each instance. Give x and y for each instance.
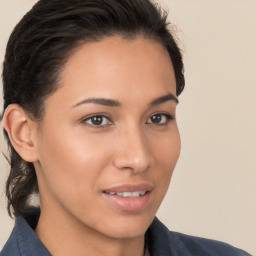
(160, 119)
(97, 121)
(156, 119)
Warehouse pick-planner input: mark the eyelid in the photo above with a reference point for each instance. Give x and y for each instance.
(85, 119)
(167, 115)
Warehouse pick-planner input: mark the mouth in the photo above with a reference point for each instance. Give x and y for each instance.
(127, 194)
(129, 197)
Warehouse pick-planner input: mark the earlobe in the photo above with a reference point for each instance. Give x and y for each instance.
(20, 129)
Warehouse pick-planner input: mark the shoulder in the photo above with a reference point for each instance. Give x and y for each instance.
(11, 247)
(202, 246)
(164, 242)
(23, 241)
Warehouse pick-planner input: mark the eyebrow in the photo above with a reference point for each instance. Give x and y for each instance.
(115, 103)
(100, 101)
(163, 99)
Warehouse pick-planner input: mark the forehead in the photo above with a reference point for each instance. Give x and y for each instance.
(117, 68)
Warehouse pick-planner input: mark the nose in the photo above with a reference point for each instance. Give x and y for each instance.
(132, 151)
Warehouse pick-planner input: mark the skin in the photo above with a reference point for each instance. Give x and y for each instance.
(75, 160)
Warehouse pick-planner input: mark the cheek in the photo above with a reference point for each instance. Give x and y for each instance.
(166, 148)
(74, 163)
(71, 164)
(166, 152)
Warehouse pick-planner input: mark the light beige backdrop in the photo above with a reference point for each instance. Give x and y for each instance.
(213, 190)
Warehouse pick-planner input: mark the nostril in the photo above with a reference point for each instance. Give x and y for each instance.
(132, 152)
(131, 164)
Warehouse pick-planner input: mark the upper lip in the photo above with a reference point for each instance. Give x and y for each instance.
(130, 188)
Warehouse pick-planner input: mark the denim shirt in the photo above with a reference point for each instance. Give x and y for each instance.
(161, 242)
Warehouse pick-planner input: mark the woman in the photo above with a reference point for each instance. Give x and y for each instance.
(90, 93)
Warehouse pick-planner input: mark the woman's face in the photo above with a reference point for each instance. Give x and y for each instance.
(109, 139)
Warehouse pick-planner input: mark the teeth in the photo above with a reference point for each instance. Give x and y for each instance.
(142, 193)
(128, 194)
(135, 194)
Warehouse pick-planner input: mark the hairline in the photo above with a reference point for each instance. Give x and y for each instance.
(79, 44)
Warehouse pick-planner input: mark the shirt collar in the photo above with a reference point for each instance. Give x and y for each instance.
(158, 239)
(27, 241)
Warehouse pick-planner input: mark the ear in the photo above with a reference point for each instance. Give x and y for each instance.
(21, 131)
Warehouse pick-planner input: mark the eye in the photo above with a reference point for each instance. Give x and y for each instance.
(97, 121)
(160, 119)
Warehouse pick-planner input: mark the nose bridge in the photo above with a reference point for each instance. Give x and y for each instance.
(132, 150)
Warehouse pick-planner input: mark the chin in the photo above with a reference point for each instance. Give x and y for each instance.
(127, 227)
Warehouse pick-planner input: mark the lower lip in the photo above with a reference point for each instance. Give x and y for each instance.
(129, 204)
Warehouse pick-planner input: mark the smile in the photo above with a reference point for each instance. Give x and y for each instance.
(129, 197)
(128, 194)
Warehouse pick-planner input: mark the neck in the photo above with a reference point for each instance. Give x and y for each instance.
(65, 236)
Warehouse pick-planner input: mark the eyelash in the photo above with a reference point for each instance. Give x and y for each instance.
(167, 116)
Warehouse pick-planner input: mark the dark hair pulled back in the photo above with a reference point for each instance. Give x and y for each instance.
(40, 45)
